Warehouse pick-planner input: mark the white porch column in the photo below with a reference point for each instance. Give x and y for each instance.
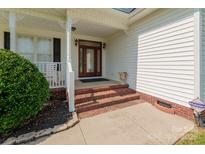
(12, 29)
(69, 71)
(68, 38)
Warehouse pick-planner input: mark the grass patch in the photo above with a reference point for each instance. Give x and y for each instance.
(194, 137)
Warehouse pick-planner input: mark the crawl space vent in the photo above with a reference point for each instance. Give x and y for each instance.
(164, 104)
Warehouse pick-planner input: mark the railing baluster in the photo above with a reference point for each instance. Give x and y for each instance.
(57, 74)
(54, 72)
(61, 78)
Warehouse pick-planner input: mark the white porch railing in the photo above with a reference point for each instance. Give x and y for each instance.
(59, 75)
(54, 72)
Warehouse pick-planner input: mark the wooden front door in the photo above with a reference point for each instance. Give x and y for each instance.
(89, 61)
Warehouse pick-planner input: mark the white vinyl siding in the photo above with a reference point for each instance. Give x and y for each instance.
(158, 55)
(203, 54)
(167, 50)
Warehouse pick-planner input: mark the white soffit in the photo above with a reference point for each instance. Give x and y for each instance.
(140, 13)
(99, 16)
(41, 23)
(84, 27)
(99, 22)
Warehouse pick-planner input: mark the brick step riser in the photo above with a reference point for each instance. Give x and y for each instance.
(92, 102)
(92, 98)
(93, 90)
(97, 106)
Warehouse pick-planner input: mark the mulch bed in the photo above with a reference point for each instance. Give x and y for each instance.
(54, 113)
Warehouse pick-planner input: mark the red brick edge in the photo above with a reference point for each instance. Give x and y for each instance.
(176, 108)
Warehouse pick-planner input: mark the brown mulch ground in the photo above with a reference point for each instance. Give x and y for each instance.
(55, 113)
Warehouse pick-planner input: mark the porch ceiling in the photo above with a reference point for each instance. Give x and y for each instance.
(94, 22)
(41, 23)
(33, 22)
(84, 27)
(100, 16)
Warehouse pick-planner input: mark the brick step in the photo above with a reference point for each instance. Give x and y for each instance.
(102, 95)
(94, 96)
(108, 98)
(87, 106)
(98, 89)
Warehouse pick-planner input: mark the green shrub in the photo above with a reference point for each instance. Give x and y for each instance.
(23, 90)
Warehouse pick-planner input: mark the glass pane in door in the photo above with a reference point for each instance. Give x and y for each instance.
(90, 60)
(81, 60)
(98, 60)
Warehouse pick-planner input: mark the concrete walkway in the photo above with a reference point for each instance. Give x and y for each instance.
(138, 124)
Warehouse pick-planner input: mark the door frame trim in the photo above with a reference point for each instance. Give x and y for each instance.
(95, 58)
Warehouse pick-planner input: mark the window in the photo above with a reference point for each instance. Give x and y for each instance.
(35, 49)
(25, 47)
(44, 50)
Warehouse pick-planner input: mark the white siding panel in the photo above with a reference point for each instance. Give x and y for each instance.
(158, 54)
(186, 23)
(179, 34)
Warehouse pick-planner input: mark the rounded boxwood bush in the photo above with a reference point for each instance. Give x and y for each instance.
(23, 90)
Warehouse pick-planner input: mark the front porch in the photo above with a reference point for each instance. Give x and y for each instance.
(67, 49)
(64, 46)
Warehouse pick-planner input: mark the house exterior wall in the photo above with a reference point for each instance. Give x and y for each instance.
(51, 34)
(158, 54)
(28, 31)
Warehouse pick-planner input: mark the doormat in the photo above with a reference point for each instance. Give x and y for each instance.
(94, 80)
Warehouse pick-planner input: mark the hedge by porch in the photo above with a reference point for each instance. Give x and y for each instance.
(23, 90)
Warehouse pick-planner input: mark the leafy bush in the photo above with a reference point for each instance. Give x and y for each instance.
(23, 90)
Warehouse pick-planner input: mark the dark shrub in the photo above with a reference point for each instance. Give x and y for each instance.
(23, 90)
